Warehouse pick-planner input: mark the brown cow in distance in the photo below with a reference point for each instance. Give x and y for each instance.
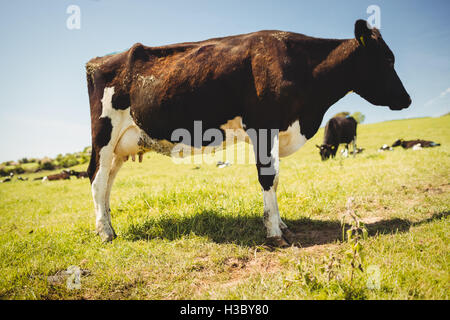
(64, 175)
(279, 84)
(79, 174)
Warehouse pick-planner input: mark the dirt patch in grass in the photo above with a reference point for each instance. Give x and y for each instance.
(239, 270)
(443, 188)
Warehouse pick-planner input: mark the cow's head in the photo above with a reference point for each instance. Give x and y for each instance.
(376, 80)
(326, 150)
(397, 143)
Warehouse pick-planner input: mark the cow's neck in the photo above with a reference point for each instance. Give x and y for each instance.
(334, 74)
(333, 67)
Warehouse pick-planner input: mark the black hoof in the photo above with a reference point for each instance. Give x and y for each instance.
(278, 242)
(289, 236)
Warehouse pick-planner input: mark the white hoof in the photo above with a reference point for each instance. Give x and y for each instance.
(106, 232)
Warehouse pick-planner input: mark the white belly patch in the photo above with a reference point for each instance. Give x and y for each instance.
(291, 140)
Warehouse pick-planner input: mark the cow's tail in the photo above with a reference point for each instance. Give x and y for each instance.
(96, 86)
(92, 165)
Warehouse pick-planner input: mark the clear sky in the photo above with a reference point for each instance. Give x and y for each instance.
(44, 108)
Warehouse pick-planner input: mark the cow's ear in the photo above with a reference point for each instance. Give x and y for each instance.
(362, 32)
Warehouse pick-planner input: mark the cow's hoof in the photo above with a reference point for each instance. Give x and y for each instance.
(278, 242)
(107, 237)
(106, 233)
(289, 235)
(114, 233)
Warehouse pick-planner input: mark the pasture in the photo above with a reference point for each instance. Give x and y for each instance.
(197, 233)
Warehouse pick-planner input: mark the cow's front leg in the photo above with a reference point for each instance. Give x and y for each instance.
(266, 149)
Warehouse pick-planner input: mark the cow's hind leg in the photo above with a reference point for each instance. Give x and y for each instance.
(100, 195)
(109, 130)
(116, 165)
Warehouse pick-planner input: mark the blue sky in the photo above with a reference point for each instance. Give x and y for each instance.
(44, 103)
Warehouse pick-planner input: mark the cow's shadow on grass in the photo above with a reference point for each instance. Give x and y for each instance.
(250, 231)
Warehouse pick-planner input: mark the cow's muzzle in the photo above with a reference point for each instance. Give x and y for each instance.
(403, 105)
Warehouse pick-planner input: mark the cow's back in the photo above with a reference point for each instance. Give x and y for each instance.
(213, 81)
(340, 130)
(204, 82)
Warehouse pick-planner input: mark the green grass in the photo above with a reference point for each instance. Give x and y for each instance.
(198, 234)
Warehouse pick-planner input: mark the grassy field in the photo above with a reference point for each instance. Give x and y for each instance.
(187, 233)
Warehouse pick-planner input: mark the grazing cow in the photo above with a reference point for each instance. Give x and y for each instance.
(411, 143)
(338, 130)
(280, 84)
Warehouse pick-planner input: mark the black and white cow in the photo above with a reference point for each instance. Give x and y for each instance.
(279, 84)
(338, 130)
(409, 144)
